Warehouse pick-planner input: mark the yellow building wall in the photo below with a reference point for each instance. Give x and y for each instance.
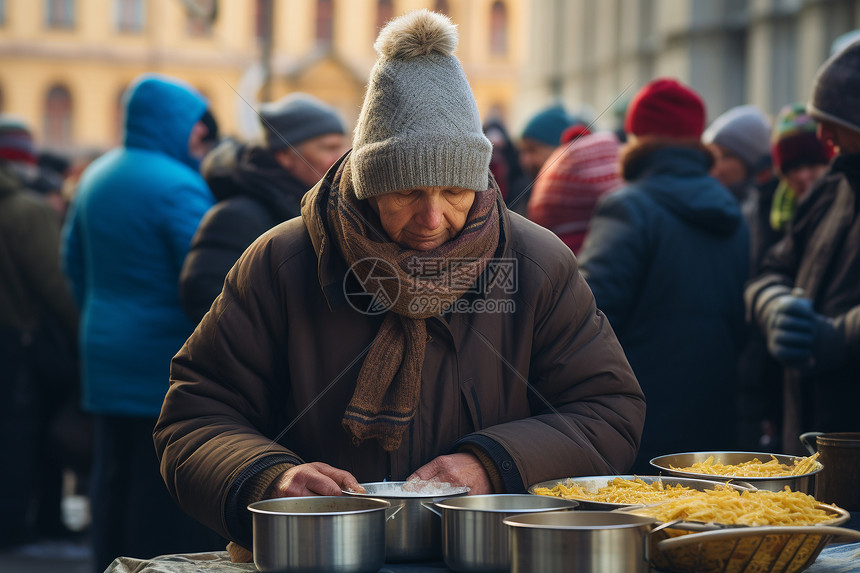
(96, 62)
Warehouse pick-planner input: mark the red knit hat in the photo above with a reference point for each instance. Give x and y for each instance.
(665, 107)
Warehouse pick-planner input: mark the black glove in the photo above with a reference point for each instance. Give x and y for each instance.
(800, 338)
(790, 330)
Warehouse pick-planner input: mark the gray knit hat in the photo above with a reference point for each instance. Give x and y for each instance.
(419, 125)
(745, 132)
(296, 118)
(836, 89)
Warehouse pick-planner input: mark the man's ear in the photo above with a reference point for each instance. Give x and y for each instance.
(286, 158)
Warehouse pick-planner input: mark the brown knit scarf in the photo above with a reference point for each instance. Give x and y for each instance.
(389, 383)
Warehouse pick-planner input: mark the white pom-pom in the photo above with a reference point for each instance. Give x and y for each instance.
(415, 34)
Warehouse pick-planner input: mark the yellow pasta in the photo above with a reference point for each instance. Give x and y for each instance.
(619, 491)
(727, 506)
(754, 467)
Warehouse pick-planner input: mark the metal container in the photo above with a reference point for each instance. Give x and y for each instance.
(583, 541)
(325, 534)
(840, 455)
(415, 532)
(593, 483)
(473, 535)
(804, 483)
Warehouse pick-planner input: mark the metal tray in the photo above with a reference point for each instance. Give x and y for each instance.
(593, 483)
(803, 482)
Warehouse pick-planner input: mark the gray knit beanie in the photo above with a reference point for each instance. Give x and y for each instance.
(836, 89)
(745, 132)
(296, 118)
(419, 125)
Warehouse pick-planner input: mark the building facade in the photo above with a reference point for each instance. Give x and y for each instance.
(598, 53)
(64, 64)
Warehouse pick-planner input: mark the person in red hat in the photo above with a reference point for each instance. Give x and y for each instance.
(666, 258)
(33, 295)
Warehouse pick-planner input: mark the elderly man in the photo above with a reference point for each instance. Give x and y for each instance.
(405, 326)
(806, 299)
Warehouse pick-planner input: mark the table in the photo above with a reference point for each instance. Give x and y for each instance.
(834, 559)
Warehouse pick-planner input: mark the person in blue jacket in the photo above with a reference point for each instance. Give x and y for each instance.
(666, 258)
(129, 229)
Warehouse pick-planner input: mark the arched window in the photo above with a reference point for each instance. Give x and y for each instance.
(119, 115)
(57, 120)
(129, 15)
(264, 11)
(325, 22)
(442, 7)
(60, 13)
(200, 16)
(384, 12)
(499, 29)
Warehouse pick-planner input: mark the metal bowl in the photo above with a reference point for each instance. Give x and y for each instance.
(593, 483)
(415, 532)
(473, 535)
(323, 534)
(586, 541)
(804, 482)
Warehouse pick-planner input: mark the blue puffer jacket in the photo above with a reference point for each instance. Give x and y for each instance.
(666, 259)
(124, 244)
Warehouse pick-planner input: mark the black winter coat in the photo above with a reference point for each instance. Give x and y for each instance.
(254, 194)
(666, 258)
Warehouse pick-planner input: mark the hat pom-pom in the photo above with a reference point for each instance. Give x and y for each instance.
(415, 34)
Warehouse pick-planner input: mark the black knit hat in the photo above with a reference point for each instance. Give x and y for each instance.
(296, 118)
(836, 89)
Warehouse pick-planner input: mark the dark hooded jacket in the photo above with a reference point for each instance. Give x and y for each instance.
(537, 382)
(254, 194)
(666, 259)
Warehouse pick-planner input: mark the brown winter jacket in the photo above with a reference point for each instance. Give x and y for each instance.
(541, 390)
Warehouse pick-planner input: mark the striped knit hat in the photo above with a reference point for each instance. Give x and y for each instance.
(794, 141)
(16, 141)
(566, 193)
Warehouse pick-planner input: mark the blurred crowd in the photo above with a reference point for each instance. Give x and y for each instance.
(725, 255)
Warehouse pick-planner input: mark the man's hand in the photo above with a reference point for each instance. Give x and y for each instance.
(315, 478)
(790, 331)
(457, 469)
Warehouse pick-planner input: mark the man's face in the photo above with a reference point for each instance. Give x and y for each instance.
(728, 169)
(197, 148)
(309, 160)
(800, 179)
(423, 218)
(842, 139)
(533, 154)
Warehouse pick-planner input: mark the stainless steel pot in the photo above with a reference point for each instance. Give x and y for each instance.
(335, 534)
(583, 541)
(473, 535)
(415, 532)
(840, 456)
(804, 483)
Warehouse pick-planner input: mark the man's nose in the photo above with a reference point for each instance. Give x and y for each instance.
(430, 214)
